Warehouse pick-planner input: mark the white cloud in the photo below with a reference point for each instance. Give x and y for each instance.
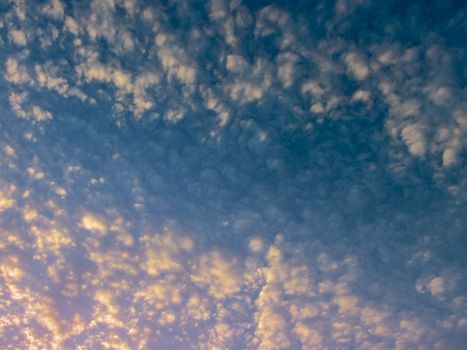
(140, 289)
(15, 72)
(272, 330)
(270, 20)
(54, 8)
(357, 65)
(218, 9)
(46, 77)
(309, 337)
(236, 64)
(198, 308)
(388, 56)
(107, 310)
(312, 87)
(51, 240)
(18, 102)
(450, 156)
(91, 222)
(286, 70)
(436, 286)
(205, 294)
(40, 114)
(100, 23)
(256, 245)
(18, 37)
(35, 173)
(317, 107)
(214, 103)
(122, 79)
(162, 294)
(30, 214)
(6, 202)
(9, 151)
(439, 95)
(175, 115)
(361, 95)
(164, 252)
(413, 136)
(218, 273)
(97, 71)
(71, 25)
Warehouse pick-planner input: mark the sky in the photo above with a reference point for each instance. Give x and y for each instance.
(229, 175)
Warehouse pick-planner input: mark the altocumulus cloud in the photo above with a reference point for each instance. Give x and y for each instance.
(233, 175)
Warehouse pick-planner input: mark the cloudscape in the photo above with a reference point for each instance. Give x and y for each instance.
(229, 175)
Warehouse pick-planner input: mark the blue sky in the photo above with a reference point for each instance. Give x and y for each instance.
(233, 175)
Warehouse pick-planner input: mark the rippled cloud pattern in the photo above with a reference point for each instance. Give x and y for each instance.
(233, 175)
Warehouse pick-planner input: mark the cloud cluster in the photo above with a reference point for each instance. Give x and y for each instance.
(170, 290)
(150, 154)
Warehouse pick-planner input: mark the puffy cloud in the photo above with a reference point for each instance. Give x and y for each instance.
(107, 309)
(361, 95)
(18, 37)
(198, 308)
(71, 25)
(413, 136)
(5, 202)
(93, 223)
(286, 71)
(218, 273)
(54, 8)
(15, 72)
(174, 59)
(164, 252)
(251, 83)
(436, 286)
(356, 65)
(161, 294)
(51, 240)
(256, 245)
(309, 337)
(40, 114)
(46, 78)
(270, 20)
(7, 196)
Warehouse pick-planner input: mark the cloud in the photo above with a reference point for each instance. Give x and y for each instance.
(9, 151)
(198, 308)
(15, 73)
(163, 252)
(436, 286)
(5, 202)
(308, 336)
(54, 8)
(18, 37)
(289, 310)
(256, 245)
(174, 60)
(218, 273)
(45, 78)
(36, 113)
(413, 136)
(150, 154)
(40, 114)
(71, 25)
(91, 222)
(361, 95)
(356, 65)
